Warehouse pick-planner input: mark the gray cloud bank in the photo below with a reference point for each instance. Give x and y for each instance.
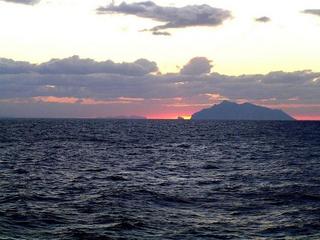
(75, 65)
(173, 17)
(27, 2)
(312, 11)
(76, 77)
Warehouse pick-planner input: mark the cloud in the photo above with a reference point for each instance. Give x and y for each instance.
(158, 33)
(27, 2)
(197, 66)
(263, 19)
(194, 79)
(312, 11)
(76, 65)
(8, 66)
(173, 17)
(79, 83)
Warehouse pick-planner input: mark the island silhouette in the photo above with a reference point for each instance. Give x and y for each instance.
(227, 110)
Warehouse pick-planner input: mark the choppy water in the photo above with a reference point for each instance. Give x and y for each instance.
(99, 179)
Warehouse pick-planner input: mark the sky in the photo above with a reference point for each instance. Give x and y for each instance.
(158, 59)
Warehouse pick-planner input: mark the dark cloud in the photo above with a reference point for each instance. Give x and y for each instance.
(76, 65)
(22, 81)
(173, 17)
(8, 66)
(158, 33)
(197, 66)
(28, 2)
(312, 11)
(263, 19)
(275, 85)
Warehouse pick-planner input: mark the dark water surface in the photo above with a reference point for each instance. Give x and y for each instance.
(100, 179)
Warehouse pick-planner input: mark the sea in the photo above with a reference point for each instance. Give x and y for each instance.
(159, 179)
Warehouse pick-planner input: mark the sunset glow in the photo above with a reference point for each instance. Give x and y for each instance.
(79, 58)
(169, 116)
(307, 118)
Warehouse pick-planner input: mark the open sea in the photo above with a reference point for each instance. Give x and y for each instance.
(145, 179)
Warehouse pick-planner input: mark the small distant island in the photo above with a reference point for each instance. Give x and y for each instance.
(227, 110)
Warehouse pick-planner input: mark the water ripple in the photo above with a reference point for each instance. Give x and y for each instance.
(99, 179)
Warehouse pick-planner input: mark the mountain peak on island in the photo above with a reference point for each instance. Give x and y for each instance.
(227, 102)
(228, 110)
